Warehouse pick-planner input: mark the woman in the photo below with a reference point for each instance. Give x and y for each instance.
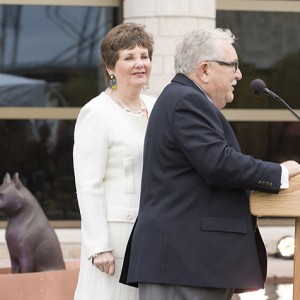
(108, 151)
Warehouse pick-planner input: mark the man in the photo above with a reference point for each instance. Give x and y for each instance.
(195, 237)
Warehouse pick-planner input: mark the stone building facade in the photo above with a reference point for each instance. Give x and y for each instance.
(168, 21)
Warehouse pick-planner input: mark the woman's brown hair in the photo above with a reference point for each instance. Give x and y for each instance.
(124, 36)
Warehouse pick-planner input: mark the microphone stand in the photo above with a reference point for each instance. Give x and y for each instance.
(273, 95)
(296, 270)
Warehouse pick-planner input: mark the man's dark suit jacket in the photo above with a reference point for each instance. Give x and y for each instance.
(194, 226)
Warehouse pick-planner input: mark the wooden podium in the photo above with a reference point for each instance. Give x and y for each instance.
(284, 204)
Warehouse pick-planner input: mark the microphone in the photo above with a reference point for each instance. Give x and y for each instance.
(259, 87)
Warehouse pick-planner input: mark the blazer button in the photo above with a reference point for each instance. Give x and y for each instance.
(271, 184)
(259, 182)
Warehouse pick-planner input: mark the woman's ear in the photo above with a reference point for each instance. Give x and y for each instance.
(109, 71)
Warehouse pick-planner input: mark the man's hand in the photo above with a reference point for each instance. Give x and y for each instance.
(293, 168)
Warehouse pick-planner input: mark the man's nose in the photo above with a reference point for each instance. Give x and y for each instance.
(238, 74)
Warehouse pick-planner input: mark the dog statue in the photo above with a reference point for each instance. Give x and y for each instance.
(32, 243)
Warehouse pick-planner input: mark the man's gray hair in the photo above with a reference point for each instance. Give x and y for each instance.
(200, 45)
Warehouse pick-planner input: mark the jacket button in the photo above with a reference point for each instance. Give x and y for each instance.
(129, 217)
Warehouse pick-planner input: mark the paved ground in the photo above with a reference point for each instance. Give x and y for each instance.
(280, 270)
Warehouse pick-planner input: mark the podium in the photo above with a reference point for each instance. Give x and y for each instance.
(284, 204)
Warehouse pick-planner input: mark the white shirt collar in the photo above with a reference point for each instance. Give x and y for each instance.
(203, 91)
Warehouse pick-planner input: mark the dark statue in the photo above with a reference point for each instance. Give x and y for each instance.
(32, 243)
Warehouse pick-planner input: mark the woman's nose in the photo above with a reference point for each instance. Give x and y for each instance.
(138, 63)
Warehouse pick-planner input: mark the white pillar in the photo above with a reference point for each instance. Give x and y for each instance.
(168, 21)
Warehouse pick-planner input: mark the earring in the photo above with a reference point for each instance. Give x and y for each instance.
(112, 83)
(146, 87)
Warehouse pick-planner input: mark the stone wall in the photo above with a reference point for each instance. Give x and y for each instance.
(168, 21)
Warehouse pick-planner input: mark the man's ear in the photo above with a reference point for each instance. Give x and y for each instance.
(203, 71)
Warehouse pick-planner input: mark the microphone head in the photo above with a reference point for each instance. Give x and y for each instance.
(258, 86)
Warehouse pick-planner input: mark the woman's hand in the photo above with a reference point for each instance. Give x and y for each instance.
(105, 262)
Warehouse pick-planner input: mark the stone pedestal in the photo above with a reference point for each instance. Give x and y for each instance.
(58, 285)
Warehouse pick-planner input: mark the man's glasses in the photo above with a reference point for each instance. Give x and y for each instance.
(234, 64)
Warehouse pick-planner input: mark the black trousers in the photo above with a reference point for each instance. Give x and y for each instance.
(148, 291)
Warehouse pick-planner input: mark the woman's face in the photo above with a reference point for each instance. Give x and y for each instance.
(133, 68)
